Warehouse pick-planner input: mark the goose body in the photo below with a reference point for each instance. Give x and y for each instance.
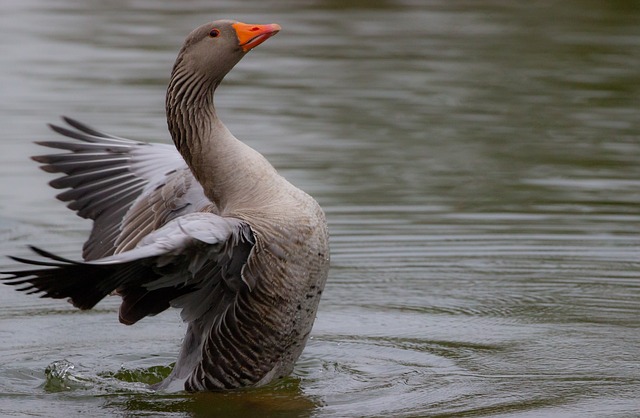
(207, 226)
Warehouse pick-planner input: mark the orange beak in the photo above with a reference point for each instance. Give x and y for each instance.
(250, 36)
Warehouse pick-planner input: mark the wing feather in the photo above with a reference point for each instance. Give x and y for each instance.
(128, 188)
(194, 262)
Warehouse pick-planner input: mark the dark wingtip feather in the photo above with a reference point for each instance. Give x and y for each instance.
(81, 126)
(86, 128)
(70, 134)
(61, 278)
(51, 256)
(33, 262)
(42, 159)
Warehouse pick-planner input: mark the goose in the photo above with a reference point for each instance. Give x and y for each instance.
(207, 226)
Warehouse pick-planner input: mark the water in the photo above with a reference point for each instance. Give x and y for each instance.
(479, 163)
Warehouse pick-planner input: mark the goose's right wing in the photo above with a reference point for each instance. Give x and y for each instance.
(128, 188)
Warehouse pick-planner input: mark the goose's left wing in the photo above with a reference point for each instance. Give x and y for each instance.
(195, 261)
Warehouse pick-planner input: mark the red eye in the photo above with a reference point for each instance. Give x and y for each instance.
(214, 33)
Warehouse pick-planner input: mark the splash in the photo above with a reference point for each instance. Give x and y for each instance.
(61, 376)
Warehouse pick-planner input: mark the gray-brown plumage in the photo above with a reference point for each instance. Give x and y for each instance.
(212, 230)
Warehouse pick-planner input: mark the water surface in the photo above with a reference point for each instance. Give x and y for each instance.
(479, 163)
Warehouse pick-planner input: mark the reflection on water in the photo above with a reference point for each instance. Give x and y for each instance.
(478, 163)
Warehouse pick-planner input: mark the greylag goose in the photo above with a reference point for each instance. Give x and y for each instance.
(207, 226)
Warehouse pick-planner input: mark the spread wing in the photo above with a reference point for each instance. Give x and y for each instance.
(194, 262)
(128, 188)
